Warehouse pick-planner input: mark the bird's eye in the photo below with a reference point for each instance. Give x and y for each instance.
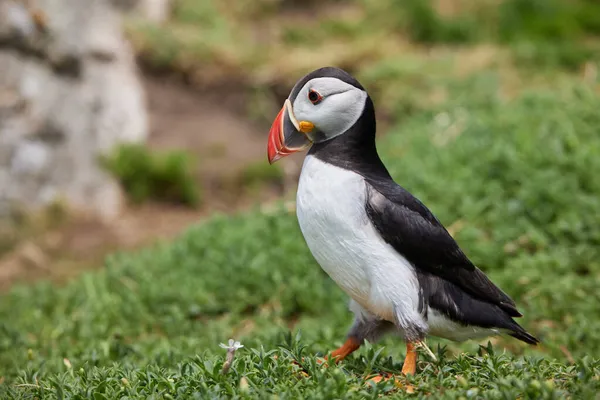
(314, 96)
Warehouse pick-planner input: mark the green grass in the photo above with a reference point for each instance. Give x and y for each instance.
(495, 133)
(514, 180)
(261, 43)
(150, 175)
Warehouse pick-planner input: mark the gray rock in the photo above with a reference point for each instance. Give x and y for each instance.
(69, 91)
(155, 10)
(30, 158)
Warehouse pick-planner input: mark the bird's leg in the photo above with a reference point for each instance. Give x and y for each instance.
(408, 368)
(350, 346)
(410, 361)
(366, 326)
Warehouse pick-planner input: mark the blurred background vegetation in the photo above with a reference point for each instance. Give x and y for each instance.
(487, 111)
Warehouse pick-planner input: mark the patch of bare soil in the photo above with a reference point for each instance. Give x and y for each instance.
(209, 125)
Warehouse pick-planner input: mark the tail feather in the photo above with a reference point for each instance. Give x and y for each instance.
(523, 335)
(462, 307)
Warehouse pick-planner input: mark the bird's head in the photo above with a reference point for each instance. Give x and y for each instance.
(324, 104)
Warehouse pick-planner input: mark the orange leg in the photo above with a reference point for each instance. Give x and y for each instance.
(350, 346)
(410, 362)
(409, 368)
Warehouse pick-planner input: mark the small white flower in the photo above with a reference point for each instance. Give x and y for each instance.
(233, 345)
(231, 349)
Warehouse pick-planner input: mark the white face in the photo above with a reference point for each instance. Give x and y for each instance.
(339, 107)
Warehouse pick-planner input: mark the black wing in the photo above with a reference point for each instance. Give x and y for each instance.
(406, 224)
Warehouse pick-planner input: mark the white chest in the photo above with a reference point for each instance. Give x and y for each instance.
(332, 217)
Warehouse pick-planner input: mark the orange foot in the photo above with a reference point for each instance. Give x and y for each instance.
(349, 347)
(408, 368)
(398, 383)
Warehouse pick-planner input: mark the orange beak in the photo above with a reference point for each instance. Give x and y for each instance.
(285, 137)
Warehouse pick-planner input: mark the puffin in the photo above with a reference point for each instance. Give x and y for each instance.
(401, 268)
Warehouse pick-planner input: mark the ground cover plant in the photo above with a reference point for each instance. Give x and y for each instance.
(515, 182)
(145, 174)
(265, 42)
(504, 148)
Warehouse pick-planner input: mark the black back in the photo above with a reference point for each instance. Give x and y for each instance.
(400, 218)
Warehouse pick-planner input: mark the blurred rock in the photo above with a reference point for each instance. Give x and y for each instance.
(69, 91)
(156, 11)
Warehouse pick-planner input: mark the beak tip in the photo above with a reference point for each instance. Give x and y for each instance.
(277, 146)
(272, 154)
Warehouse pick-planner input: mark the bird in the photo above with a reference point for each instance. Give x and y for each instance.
(401, 268)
